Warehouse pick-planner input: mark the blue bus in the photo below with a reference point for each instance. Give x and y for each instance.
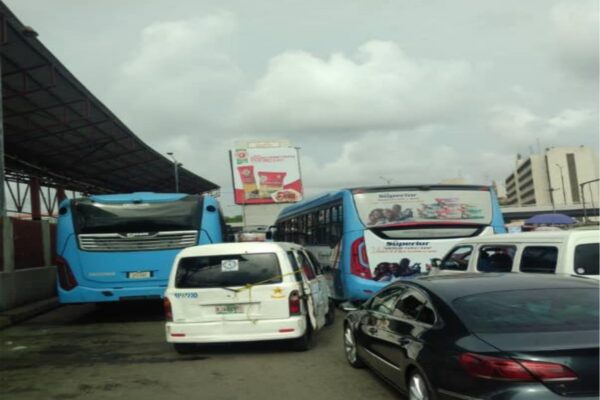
(366, 237)
(121, 246)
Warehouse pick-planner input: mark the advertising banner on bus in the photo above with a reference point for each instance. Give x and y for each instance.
(266, 175)
(393, 207)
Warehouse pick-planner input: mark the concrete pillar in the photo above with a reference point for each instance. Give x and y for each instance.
(46, 243)
(8, 245)
(34, 193)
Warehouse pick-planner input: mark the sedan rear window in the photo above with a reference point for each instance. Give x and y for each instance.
(227, 270)
(538, 310)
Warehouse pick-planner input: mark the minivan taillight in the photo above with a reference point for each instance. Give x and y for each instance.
(506, 369)
(294, 301)
(66, 279)
(359, 262)
(168, 309)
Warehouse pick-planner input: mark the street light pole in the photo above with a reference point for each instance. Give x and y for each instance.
(581, 185)
(176, 167)
(551, 190)
(562, 181)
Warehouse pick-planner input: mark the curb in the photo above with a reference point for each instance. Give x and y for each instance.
(22, 313)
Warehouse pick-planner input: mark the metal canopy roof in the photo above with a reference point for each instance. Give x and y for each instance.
(55, 129)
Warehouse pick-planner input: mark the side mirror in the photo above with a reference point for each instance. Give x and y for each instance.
(270, 233)
(436, 262)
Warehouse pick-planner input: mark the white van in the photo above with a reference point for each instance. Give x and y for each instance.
(561, 252)
(238, 292)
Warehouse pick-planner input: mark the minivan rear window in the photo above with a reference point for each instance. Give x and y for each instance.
(228, 270)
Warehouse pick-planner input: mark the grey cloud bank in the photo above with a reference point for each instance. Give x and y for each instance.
(415, 91)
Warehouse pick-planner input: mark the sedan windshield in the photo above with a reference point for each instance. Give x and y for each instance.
(555, 310)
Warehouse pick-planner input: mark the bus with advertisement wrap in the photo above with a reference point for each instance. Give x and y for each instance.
(122, 246)
(367, 237)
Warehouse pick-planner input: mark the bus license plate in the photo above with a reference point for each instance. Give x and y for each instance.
(139, 275)
(229, 309)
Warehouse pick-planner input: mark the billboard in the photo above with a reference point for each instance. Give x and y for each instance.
(265, 174)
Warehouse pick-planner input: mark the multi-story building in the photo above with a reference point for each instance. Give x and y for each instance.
(555, 177)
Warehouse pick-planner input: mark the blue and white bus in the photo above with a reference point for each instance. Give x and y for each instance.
(121, 246)
(367, 237)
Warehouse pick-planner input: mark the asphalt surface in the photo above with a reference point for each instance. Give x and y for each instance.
(119, 352)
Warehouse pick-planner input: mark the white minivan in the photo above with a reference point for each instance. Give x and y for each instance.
(239, 292)
(572, 252)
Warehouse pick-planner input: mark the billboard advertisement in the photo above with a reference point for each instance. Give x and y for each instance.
(265, 175)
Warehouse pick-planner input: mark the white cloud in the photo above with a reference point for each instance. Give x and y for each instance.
(518, 126)
(179, 78)
(380, 87)
(576, 32)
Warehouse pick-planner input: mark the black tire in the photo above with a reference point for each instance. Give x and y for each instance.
(418, 387)
(184, 348)
(350, 348)
(330, 316)
(304, 342)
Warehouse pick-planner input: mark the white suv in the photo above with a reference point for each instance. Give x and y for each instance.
(238, 292)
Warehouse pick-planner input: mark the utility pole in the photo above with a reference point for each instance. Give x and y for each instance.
(176, 165)
(551, 190)
(581, 185)
(562, 181)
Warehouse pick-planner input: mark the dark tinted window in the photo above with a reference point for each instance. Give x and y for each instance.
(386, 299)
(457, 259)
(428, 233)
(537, 310)
(413, 306)
(586, 259)
(496, 258)
(229, 270)
(541, 259)
(94, 217)
(315, 263)
(306, 266)
(295, 267)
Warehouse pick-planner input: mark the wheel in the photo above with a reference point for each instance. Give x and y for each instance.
(418, 388)
(304, 342)
(184, 348)
(330, 316)
(350, 348)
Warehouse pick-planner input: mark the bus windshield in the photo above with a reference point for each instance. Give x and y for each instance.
(397, 206)
(95, 217)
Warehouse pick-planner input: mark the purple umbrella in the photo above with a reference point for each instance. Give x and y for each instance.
(550, 219)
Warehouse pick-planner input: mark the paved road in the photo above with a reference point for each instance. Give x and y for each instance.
(119, 352)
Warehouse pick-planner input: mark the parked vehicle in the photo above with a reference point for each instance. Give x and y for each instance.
(561, 252)
(240, 292)
(481, 336)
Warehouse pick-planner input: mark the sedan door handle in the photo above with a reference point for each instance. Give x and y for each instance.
(404, 342)
(372, 331)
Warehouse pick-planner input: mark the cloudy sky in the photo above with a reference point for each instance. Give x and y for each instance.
(414, 91)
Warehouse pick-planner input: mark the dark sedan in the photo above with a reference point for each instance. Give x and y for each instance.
(481, 336)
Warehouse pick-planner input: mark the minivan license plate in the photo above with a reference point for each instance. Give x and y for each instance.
(229, 309)
(139, 275)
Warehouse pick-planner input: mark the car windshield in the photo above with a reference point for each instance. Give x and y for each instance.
(227, 270)
(536, 310)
